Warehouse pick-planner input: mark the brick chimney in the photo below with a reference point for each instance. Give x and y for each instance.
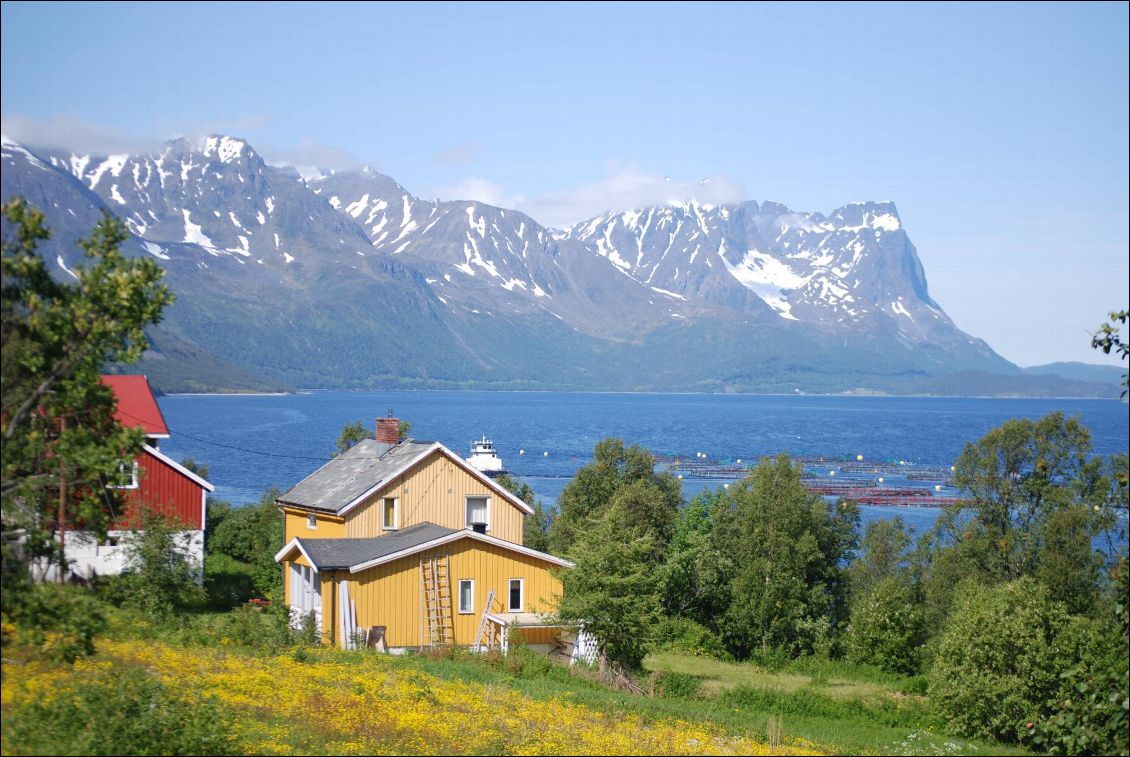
(388, 430)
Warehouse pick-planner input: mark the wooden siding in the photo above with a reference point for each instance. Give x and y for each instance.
(164, 488)
(329, 527)
(389, 595)
(434, 491)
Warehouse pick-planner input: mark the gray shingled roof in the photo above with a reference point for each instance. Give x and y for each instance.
(351, 474)
(339, 554)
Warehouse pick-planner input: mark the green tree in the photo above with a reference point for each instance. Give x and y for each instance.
(613, 590)
(351, 433)
(357, 431)
(536, 526)
(1000, 658)
(627, 473)
(59, 432)
(1091, 714)
(1107, 338)
(887, 627)
(1036, 501)
(882, 555)
(160, 575)
(695, 579)
(787, 545)
(251, 535)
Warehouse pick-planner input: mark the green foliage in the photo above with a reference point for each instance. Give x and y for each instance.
(695, 580)
(618, 475)
(676, 685)
(1037, 499)
(999, 660)
(117, 713)
(58, 419)
(251, 535)
(60, 622)
(536, 526)
(228, 582)
(160, 576)
(687, 637)
(1091, 714)
(351, 433)
(1108, 338)
(882, 554)
(613, 589)
(887, 628)
(789, 589)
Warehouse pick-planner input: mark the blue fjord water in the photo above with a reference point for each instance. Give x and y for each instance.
(252, 442)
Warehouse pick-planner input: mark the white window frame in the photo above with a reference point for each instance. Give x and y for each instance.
(395, 514)
(312, 522)
(521, 595)
(470, 610)
(467, 509)
(134, 477)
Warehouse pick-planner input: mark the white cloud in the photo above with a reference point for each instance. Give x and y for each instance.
(74, 135)
(481, 190)
(462, 154)
(626, 188)
(311, 158)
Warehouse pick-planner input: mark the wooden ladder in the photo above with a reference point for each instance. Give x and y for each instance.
(483, 621)
(435, 605)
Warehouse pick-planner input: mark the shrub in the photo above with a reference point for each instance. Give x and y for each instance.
(887, 628)
(677, 685)
(1092, 710)
(160, 575)
(685, 636)
(999, 660)
(61, 621)
(116, 713)
(228, 582)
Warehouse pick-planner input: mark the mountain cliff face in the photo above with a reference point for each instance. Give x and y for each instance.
(350, 281)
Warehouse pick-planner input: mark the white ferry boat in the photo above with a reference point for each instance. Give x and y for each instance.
(484, 458)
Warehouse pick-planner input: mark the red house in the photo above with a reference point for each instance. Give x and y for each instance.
(157, 482)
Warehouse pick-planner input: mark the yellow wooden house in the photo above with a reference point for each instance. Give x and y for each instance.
(403, 543)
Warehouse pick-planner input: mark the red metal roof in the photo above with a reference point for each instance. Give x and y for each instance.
(136, 404)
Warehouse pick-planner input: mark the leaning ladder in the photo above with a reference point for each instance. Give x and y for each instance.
(435, 601)
(483, 621)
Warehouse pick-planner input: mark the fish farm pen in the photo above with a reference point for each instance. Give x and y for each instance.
(894, 483)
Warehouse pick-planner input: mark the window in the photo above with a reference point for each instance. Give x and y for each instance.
(478, 513)
(388, 514)
(466, 596)
(516, 594)
(311, 521)
(133, 471)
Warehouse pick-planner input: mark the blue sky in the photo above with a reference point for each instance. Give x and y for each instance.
(1000, 131)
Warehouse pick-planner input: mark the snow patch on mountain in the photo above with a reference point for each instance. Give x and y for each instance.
(193, 233)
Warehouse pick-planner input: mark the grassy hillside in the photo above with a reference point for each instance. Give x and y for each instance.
(265, 698)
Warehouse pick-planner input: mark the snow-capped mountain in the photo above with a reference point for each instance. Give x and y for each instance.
(479, 256)
(219, 195)
(350, 280)
(854, 268)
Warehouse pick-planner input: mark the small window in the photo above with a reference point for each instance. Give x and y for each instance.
(478, 513)
(388, 517)
(133, 476)
(516, 594)
(311, 521)
(466, 596)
